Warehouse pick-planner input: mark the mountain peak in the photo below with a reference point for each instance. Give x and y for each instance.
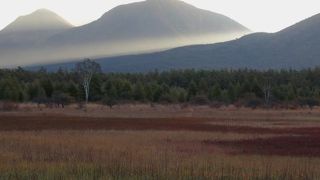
(42, 19)
(175, 16)
(43, 11)
(162, 1)
(145, 26)
(173, 3)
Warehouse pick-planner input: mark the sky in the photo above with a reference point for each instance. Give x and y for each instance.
(257, 15)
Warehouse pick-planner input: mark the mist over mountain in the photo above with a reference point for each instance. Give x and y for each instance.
(295, 47)
(146, 26)
(20, 40)
(152, 19)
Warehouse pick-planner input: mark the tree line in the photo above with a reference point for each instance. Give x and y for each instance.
(251, 88)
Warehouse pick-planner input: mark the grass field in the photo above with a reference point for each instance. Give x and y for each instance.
(142, 142)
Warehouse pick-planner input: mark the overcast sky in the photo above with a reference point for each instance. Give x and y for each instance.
(257, 15)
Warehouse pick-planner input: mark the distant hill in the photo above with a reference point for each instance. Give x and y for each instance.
(146, 26)
(19, 41)
(295, 47)
(33, 28)
(152, 19)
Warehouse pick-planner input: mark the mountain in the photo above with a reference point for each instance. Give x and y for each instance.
(146, 26)
(20, 40)
(296, 47)
(152, 19)
(32, 28)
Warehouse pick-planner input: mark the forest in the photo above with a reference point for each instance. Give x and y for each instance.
(242, 88)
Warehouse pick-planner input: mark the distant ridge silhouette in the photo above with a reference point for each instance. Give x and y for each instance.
(146, 26)
(296, 47)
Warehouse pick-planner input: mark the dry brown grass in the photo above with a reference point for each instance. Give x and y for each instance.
(169, 111)
(218, 145)
(141, 154)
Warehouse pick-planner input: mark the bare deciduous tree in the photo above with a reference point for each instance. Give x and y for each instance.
(86, 69)
(267, 92)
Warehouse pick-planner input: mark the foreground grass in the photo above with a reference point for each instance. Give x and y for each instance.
(208, 170)
(141, 155)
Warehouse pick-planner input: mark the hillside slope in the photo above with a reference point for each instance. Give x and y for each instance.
(147, 26)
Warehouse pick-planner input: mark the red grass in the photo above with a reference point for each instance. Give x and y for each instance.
(30, 123)
(290, 141)
(307, 146)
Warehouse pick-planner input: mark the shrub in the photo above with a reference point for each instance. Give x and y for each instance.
(310, 102)
(60, 98)
(200, 100)
(249, 102)
(109, 101)
(216, 104)
(8, 106)
(254, 103)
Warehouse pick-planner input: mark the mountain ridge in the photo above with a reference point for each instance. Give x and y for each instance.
(113, 25)
(295, 47)
(41, 19)
(146, 26)
(32, 28)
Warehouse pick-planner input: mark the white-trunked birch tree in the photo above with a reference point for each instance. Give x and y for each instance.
(85, 70)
